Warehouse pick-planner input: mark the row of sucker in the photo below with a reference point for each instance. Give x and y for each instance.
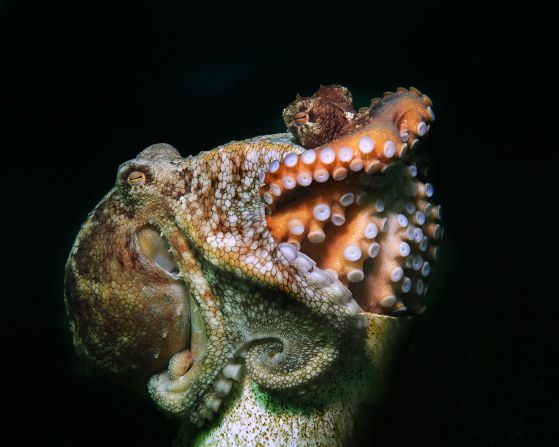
(371, 148)
(378, 235)
(360, 213)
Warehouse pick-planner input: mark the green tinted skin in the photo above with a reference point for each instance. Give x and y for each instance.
(326, 414)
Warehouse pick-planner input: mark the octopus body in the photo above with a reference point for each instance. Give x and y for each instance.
(261, 263)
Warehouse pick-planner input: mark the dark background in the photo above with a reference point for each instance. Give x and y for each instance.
(86, 85)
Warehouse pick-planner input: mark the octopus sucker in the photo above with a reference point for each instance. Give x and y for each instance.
(358, 208)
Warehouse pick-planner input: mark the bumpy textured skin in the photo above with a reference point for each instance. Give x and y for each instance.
(239, 309)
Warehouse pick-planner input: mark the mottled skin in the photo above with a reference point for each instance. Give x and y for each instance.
(227, 305)
(124, 310)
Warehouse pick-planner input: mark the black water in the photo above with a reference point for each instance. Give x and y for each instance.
(86, 85)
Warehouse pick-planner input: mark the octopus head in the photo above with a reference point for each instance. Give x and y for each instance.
(322, 117)
(258, 259)
(124, 295)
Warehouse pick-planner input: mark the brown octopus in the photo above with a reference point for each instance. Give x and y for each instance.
(236, 280)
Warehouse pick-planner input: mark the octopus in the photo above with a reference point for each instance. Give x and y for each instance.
(263, 289)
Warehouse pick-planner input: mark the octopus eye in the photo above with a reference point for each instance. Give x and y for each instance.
(136, 178)
(301, 118)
